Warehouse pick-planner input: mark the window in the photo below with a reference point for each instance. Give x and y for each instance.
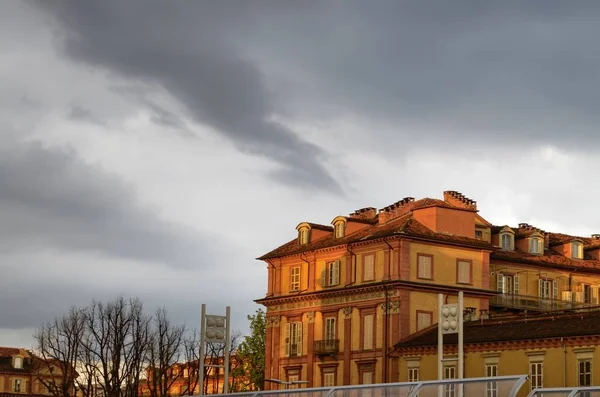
(450, 390)
(479, 234)
(413, 374)
(491, 388)
(368, 324)
(587, 293)
(18, 362)
(367, 378)
(536, 374)
(291, 379)
(508, 283)
(293, 339)
(328, 379)
(576, 250)
(295, 279)
(340, 229)
(506, 241)
(303, 236)
(584, 372)
(330, 328)
(332, 273)
(548, 289)
(369, 267)
(17, 386)
(424, 266)
(535, 245)
(423, 319)
(464, 270)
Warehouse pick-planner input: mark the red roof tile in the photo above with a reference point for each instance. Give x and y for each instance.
(403, 225)
(550, 258)
(9, 351)
(544, 326)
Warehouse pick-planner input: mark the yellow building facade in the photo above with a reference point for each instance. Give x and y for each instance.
(554, 350)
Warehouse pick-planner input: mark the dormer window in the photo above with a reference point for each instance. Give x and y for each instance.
(340, 229)
(18, 362)
(506, 241)
(536, 245)
(303, 236)
(576, 250)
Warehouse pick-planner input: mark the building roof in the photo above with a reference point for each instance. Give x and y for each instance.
(9, 351)
(511, 329)
(404, 225)
(550, 258)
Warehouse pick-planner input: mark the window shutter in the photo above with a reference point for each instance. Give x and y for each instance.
(500, 282)
(555, 289)
(324, 276)
(287, 339)
(299, 338)
(368, 332)
(336, 272)
(595, 294)
(540, 288)
(516, 284)
(369, 270)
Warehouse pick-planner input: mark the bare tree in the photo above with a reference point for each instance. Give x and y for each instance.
(114, 350)
(191, 352)
(59, 347)
(215, 354)
(164, 351)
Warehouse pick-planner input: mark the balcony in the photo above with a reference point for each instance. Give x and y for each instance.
(327, 347)
(537, 304)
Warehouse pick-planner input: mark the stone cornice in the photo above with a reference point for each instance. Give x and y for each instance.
(545, 343)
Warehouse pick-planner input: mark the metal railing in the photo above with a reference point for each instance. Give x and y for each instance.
(583, 391)
(498, 386)
(535, 303)
(327, 346)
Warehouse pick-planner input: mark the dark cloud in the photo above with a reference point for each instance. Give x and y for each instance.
(50, 198)
(185, 50)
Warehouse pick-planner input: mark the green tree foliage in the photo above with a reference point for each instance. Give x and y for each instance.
(252, 351)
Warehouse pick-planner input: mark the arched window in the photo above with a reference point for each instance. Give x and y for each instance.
(576, 250)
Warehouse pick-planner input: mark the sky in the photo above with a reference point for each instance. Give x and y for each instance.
(153, 149)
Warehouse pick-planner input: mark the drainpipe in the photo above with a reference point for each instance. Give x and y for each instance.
(562, 341)
(353, 267)
(390, 252)
(386, 337)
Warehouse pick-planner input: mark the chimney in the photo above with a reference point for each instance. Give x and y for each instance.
(596, 238)
(364, 213)
(395, 210)
(459, 200)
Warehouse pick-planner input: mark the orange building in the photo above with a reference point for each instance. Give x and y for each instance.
(22, 373)
(340, 296)
(183, 378)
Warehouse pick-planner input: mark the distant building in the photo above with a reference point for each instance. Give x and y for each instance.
(183, 378)
(22, 373)
(340, 296)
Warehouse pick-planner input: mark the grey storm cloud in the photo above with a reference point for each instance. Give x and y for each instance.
(185, 49)
(464, 70)
(50, 198)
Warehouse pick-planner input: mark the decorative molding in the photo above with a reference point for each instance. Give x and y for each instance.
(391, 307)
(273, 321)
(310, 316)
(336, 300)
(347, 312)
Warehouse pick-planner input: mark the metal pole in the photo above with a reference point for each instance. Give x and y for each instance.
(461, 353)
(440, 343)
(201, 356)
(227, 347)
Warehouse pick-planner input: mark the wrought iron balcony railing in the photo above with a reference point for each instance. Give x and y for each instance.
(535, 303)
(327, 346)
